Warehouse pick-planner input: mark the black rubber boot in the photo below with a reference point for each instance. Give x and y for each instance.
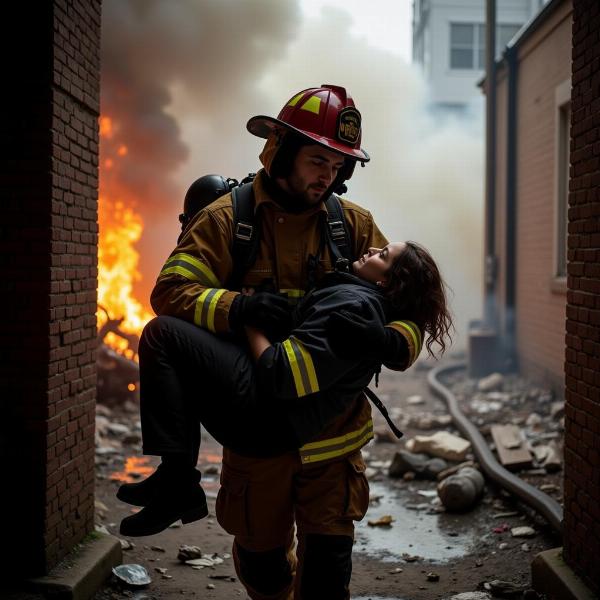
(173, 500)
(141, 493)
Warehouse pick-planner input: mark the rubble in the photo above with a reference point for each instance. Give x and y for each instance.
(384, 521)
(548, 457)
(414, 400)
(206, 560)
(383, 435)
(411, 557)
(428, 421)
(460, 491)
(503, 588)
(533, 420)
(188, 553)
(132, 575)
(492, 382)
(557, 411)
(441, 444)
(452, 470)
(510, 446)
(523, 531)
(420, 464)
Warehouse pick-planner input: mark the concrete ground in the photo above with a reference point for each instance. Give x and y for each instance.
(424, 554)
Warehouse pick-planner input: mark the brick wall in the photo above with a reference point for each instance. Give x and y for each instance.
(582, 365)
(543, 65)
(48, 251)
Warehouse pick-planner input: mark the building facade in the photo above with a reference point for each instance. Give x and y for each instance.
(449, 45)
(533, 87)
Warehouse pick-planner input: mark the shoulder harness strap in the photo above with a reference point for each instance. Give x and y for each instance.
(372, 396)
(338, 237)
(246, 234)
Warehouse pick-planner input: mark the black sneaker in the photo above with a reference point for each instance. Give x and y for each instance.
(187, 503)
(141, 493)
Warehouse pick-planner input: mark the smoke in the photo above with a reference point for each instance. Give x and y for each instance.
(214, 51)
(185, 77)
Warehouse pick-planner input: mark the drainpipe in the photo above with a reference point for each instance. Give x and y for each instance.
(509, 337)
(490, 170)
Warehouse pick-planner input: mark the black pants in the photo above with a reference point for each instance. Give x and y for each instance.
(189, 376)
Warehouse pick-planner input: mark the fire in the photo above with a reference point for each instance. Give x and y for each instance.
(120, 228)
(134, 468)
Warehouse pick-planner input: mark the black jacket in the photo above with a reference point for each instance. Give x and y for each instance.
(303, 372)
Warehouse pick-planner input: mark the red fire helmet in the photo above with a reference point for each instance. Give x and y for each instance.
(326, 115)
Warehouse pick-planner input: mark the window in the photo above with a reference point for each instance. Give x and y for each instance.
(467, 43)
(562, 103)
(466, 46)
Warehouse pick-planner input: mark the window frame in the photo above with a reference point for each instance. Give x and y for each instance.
(562, 112)
(478, 47)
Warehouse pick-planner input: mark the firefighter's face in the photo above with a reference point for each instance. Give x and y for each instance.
(314, 170)
(374, 265)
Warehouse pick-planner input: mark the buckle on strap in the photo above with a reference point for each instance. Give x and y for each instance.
(337, 230)
(243, 231)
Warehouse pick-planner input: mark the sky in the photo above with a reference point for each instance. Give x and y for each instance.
(181, 79)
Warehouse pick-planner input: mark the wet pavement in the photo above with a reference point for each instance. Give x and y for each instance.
(414, 532)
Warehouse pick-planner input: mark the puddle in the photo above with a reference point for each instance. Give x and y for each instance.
(413, 532)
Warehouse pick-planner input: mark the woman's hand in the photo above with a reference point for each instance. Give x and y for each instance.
(257, 341)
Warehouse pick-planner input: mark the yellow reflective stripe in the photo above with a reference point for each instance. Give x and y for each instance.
(295, 99)
(291, 293)
(191, 268)
(302, 366)
(352, 443)
(212, 309)
(313, 104)
(310, 367)
(414, 333)
(179, 270)
(287, 346)
(338, 440)
(416, 330)
(206, 304)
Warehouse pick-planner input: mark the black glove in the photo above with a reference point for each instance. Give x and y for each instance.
(268, 312)
(355, 336)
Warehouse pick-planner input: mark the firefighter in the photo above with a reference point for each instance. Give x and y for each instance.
(311, 149)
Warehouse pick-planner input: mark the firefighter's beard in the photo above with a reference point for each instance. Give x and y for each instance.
(305, 193)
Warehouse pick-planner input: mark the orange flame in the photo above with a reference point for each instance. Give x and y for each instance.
(134, 468)
(120, 228)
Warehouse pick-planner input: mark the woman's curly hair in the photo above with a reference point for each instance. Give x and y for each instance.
(416, 289)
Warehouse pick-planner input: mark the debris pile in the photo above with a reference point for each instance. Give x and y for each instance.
(524, 424)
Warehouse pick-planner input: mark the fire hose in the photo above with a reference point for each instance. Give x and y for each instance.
(542, 503)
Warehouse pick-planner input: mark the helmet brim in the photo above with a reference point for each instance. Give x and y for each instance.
(262, 126)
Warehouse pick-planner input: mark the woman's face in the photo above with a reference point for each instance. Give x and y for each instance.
(374, 265)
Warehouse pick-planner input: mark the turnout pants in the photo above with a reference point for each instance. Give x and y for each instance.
(263, 500)
(293, 526)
